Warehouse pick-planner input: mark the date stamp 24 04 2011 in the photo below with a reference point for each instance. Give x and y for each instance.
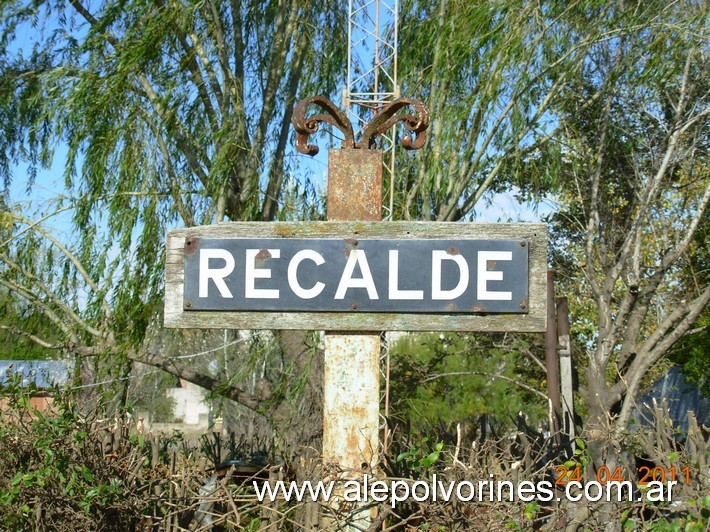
(644, 475)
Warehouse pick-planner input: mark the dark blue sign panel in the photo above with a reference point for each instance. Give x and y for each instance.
(369, 275)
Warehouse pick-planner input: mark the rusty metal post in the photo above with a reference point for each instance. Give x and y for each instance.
(352, 361)
(551, 361)
(565, 351)
(351, 385)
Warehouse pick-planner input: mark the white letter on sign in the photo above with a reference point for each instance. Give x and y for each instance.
(485, 275)
(357, 256)
(304, 293)
(395, 292)
(216, 274)
(437, 256)
(251, 272)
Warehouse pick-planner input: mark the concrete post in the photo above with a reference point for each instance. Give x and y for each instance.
(566, 369)
(551, 357)
(352, 373)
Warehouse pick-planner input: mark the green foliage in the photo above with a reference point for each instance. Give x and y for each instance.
(420, 457)
(580, 458)
(630, 233)
(159, 115)
(171, 114)
(28, 321)
(691, 350)
(458, 378)
(21, 316)
(489, 73)
(54, 465)
(177, 113)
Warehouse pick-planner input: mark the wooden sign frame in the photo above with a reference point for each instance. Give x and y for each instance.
(533, 234)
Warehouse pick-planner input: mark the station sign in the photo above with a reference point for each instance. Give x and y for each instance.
(357, 276)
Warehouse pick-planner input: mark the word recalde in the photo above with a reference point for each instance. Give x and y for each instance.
(358, 276)
(476, 276)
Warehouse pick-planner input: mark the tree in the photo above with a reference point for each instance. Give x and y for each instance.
(178, 113)
(25, 324)
(691, 350)
(473, 380)
(489, 73)
(172, 113)
(628, 238)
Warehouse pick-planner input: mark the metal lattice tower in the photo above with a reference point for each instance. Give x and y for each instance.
(371, 84)
(372, 73)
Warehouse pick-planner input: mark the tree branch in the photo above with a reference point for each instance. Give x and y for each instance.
(673, 327)
(36, 339)
(44, 308)
(49, 294)
(184, 371)
(491, 375)
(283, 33)
(273, 189)
(72, 258)
(652, 188)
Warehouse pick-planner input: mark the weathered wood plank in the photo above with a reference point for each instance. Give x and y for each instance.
(534, 321)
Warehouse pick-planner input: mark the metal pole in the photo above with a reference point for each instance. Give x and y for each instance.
(551, 364)
(352, 360)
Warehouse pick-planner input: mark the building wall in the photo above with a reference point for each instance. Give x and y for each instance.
(190, 403)
(40, 402)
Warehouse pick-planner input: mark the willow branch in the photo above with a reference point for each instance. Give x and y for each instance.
(35, 339)
(283, 32)
(72, 258)
(31, 225)
(40, 305)
(34, 280)
(186, 144)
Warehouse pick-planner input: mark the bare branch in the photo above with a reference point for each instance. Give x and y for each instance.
(673, 327)
(187, 372)
(652, 188)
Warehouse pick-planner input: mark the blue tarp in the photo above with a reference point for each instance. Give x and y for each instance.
(44, 373)
(680, 398)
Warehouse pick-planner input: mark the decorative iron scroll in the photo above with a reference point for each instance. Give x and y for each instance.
(388, 117)
(306, 126)
(383, 121)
